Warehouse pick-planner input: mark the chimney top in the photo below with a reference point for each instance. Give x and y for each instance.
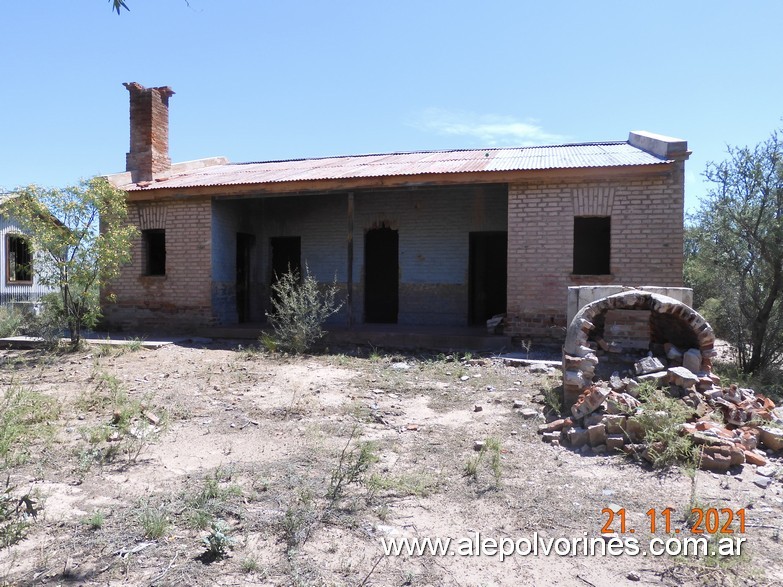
(137, 87)
(148, 157)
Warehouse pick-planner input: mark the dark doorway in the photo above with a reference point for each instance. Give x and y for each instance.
(381, 276)
(487, 275)
(286, 255)
(245, 244)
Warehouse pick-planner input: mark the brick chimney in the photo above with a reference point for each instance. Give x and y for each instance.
(149, 132)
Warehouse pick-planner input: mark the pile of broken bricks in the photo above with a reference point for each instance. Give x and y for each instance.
(604, 417)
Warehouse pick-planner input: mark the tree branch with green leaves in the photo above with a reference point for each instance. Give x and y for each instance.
(80, 240)
(118, 5)
(734, 254)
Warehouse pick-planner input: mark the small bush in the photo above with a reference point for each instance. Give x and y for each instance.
(218, 542)
(553, 397)
(130, 422)
(490, 449)
(95, 520)
(24, 418)
(405, 484)
(154, 522)
(662, 418)
(14, 519)
(215, 499)
(300, 519)
(11, 321)
(767, 381)
(250, 565)
(351, 467)
(49, 323)
(300, 308)
(199, 519)
(134, 344)
(269, 342)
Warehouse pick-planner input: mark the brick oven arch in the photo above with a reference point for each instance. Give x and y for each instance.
(682, 322)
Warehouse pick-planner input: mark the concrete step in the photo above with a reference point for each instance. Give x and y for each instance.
(431, 340)
(34, 342)
(391, 336)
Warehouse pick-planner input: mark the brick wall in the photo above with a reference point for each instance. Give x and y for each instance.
(182, 298)
(630, 329)
(149, 131)
(434, 227)
(646, 242)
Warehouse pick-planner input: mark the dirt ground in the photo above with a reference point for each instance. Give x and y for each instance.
(147, 448)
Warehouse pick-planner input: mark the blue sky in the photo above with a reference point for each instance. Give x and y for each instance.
(260, 79)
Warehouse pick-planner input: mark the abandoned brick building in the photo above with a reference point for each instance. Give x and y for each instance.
(441, 238)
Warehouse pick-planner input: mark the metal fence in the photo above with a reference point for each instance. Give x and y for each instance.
(17, 297)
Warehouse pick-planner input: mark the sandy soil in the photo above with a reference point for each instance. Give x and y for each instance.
(259, 442)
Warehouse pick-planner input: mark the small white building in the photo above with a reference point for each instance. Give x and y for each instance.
(19, 282)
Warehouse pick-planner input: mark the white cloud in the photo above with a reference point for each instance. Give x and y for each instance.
(489, 129)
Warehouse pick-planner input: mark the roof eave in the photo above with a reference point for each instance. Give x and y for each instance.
(154, 192)
(124, 180)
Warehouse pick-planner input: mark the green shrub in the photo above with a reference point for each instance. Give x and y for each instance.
(351, 467)
(767, 381)
(300, 519)
(49, 323)
(416, 483)
(662, 418)
(14, 520)
(250, 565)
(491, 450)
(269, 342)
(129, 431)
(95, 520)
(11, 321)
(218, 542)
(553, 397)
(154, 521)
(24, 418)
(299, 309)
(82, 250)
(215, 499)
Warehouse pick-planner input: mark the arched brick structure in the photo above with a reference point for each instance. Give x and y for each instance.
(683, 322)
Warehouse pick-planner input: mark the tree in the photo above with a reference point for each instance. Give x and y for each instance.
(734, 257)
(117, 5)
(72, 253)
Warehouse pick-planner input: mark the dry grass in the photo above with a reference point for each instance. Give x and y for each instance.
(302, 464)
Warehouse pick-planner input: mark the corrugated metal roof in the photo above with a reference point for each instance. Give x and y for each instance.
(585, 155)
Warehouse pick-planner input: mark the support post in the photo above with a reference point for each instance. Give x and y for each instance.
(349, 273)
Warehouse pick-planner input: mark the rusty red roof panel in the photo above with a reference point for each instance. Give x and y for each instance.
(610, 154)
